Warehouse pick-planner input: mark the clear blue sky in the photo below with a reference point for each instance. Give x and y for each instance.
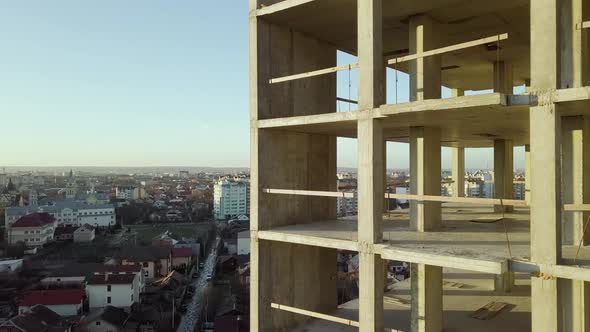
(134, 83)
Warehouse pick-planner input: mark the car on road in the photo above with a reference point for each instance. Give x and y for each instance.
(209, 278)
(201, 265)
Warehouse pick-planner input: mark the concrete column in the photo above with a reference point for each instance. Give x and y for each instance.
(458, 172)
(575, 164)
(503, 172)
(371, 164)
(425, 176)
(503, 78)
(575, 63)
(425, 73)
(527, 173)
(427, 298)
(545, 136)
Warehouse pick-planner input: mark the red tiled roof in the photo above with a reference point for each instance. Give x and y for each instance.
(115, 279)
(119, 268)
(34, 220)
(182, 252)
(53, 297)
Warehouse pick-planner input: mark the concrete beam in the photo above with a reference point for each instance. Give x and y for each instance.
(458, 172)
(503, 172)
(370, 54)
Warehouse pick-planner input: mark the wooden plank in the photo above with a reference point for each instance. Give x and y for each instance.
(307, 240)
(490, 310)
(318, 315)
(576, 207)
(309, 193)
(314, 314)
(313, 73)
(280, 6)
(583, 25)
(471, 200)
(450, 48)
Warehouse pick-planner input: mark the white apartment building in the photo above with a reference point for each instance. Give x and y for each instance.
(115, 285)
(129, 193)
(67, 213)
(346, 206)
(231, 198)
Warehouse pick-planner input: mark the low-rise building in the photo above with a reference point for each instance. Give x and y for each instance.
(34, 230)
(181, 257)
(64, 302)
(11, 266)
(155, 261)
(244, 243)
(107, 319)
(84, 233)
(38, 319)
(67, 213)
(118, 290)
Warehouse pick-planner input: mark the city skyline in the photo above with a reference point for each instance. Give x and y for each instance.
(147, 89)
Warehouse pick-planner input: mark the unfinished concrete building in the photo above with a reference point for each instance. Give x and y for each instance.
(525, 262)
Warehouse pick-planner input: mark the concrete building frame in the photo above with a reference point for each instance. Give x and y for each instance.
(464, 45)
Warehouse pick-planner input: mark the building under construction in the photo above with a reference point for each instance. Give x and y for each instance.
(496, 264)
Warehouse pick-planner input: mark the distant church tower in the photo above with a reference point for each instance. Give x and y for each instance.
(33, 197)
(71, 187)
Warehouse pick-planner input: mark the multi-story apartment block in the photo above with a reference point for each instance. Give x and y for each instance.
(130, 193)
(34, 230)
(489, 46)
(231, 198)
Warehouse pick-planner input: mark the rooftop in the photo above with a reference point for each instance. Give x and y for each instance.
(53, 297)
(34, 220)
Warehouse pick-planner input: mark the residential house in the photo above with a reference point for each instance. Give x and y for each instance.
(156, 261)
(72, 275)
(64, 233)
(38, 319)
(34, 230)
(118, 290)
(107, 319)
(181, 257)
(226, 264)
(64, 302)
(84, 233)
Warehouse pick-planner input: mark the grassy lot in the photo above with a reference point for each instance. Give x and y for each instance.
(145, 233)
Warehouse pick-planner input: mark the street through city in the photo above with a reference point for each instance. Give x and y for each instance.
(195, 306)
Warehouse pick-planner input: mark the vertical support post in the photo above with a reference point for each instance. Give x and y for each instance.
(425, 176)
(503, 172)
(575, 165)
(457, 92)
(458, 171)
(503, 78)
(545, 136)
(371, 162)
(527, 173)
